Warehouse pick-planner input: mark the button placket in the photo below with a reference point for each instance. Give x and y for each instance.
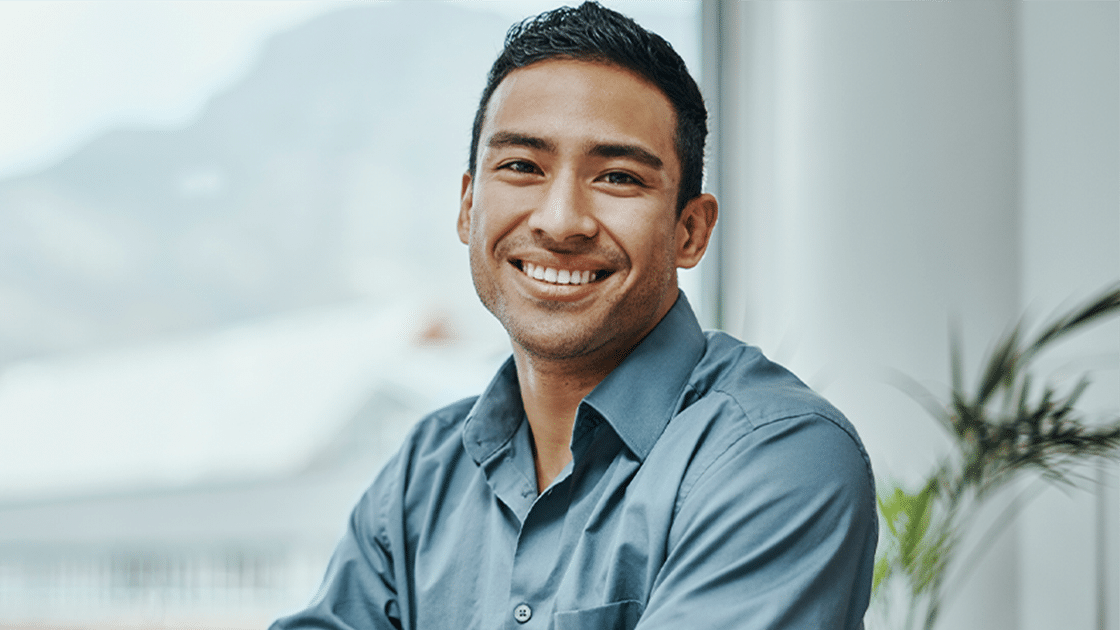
(539, 548)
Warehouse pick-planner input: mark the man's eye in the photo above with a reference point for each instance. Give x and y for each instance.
(519, 166)
(620, 178)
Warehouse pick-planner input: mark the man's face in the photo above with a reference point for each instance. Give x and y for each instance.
(570, 217)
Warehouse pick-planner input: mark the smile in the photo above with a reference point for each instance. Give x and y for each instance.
(559, 276)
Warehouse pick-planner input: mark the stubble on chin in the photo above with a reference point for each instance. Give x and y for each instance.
(558, 330)
(551, 343)
(552, 333)
(556, 333)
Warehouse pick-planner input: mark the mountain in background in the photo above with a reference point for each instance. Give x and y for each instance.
(329, 172)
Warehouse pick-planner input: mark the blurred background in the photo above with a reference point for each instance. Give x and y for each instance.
(230, 280)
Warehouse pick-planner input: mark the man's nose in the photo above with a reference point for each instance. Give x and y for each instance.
(565, 211)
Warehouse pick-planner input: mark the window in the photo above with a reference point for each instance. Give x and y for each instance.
(229, 281)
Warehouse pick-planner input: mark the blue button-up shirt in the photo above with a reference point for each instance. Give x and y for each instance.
(708, 488)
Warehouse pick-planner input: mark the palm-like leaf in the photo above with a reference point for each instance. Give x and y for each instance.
(1002, 429)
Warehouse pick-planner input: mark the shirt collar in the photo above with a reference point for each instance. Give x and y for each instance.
(637, 399)
(495, 416)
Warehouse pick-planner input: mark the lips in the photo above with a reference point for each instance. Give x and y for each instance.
(553, 275)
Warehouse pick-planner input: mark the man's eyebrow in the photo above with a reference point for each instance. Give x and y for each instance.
(513, 139)
(632, 151)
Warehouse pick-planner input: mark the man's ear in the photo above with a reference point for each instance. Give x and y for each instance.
(466, 199)
(694, 229)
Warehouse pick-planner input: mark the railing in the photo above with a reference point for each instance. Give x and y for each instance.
(207, 586)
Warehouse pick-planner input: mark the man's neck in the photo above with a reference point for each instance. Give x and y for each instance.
(550, 393)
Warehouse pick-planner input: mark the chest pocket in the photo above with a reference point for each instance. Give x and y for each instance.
(622, 615)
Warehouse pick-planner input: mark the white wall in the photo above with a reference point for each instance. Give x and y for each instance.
(1070, 178)
(887, 168)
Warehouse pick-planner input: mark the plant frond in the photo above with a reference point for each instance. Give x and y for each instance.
(956, 358)
(1002, 365)
(1007, 427)
(1105, 304)
(926, 399)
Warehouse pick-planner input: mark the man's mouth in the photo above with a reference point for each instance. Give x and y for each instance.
(560, 276)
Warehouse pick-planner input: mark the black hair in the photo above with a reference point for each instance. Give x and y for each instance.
(593, 32)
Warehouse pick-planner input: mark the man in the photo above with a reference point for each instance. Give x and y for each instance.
(623, 469)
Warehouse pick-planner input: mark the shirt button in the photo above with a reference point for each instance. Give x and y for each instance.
(522, 613)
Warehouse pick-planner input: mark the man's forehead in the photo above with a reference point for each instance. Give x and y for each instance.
(523, 109)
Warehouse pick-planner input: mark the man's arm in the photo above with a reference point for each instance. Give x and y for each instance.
(778, 532)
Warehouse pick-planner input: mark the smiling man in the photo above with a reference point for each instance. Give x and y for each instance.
(624, 469)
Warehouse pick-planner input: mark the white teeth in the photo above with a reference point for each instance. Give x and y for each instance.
(554, 276)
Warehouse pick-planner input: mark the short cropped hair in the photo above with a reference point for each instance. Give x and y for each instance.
(593, 32)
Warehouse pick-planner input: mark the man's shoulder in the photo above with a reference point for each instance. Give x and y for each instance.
(434, 439)
(762, 390)
(738, 402)
(439, 427)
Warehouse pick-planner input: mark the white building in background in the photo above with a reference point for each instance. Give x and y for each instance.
(234, 461)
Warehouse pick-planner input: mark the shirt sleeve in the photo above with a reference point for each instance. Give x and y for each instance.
(359, 590)
(778, 532)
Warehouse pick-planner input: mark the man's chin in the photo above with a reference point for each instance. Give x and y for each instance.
(555, 349)
(555, 343)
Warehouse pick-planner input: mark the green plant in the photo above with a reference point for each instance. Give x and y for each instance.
(1002, 428)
